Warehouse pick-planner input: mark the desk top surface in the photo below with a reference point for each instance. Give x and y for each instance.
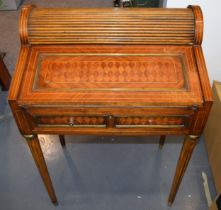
(111, 75)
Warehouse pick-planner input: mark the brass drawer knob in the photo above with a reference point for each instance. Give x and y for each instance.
(71, 121)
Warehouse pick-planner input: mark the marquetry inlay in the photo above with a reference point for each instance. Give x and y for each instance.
(154, 120)
(75, 120)
(111, 71)
(114, 72)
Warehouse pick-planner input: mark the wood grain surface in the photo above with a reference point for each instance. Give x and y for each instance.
(111, 75)
(111, 71)
(110, 26)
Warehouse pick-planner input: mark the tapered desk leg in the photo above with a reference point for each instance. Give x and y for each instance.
(162, 141)
(37, 154)
(62, 140)
(185, 155)
(5, 77)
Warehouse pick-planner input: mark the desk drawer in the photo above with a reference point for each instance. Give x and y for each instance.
(152, 121)
(112, 121)
(71, 121)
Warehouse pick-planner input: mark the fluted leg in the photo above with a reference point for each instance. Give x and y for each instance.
(37, 154)
(185, 155)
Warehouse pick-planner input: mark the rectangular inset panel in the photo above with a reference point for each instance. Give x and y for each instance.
(114, 72)
(152, 121)
(111, 75)
(70, 121)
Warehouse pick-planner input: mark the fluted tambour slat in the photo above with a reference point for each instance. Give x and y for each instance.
(111, 26)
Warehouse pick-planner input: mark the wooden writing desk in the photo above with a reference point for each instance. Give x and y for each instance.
(87, 71)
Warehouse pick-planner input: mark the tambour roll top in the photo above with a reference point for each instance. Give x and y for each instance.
(111, 26)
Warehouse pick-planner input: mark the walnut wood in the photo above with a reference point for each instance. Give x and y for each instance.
(62, 140)
(185, 155)
(161, 142)
(111, 72)
(5, 77)
(37, 154)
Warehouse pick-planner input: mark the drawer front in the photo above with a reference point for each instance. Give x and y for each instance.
(70, 121)
(152, 121)
(108, 121)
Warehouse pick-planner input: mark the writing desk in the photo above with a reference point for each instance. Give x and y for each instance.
(87, 71)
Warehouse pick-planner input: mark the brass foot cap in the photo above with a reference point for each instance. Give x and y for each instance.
(55, 203)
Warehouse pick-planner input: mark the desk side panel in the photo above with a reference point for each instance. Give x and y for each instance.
(18, 73)
(21, 118)
(203, 112)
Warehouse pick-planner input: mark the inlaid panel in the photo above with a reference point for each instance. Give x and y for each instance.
(110, 72)
(72, 121)
(113, 75)
(152, 121)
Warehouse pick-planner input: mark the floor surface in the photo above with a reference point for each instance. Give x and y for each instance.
(89, 176)
(105, 175)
